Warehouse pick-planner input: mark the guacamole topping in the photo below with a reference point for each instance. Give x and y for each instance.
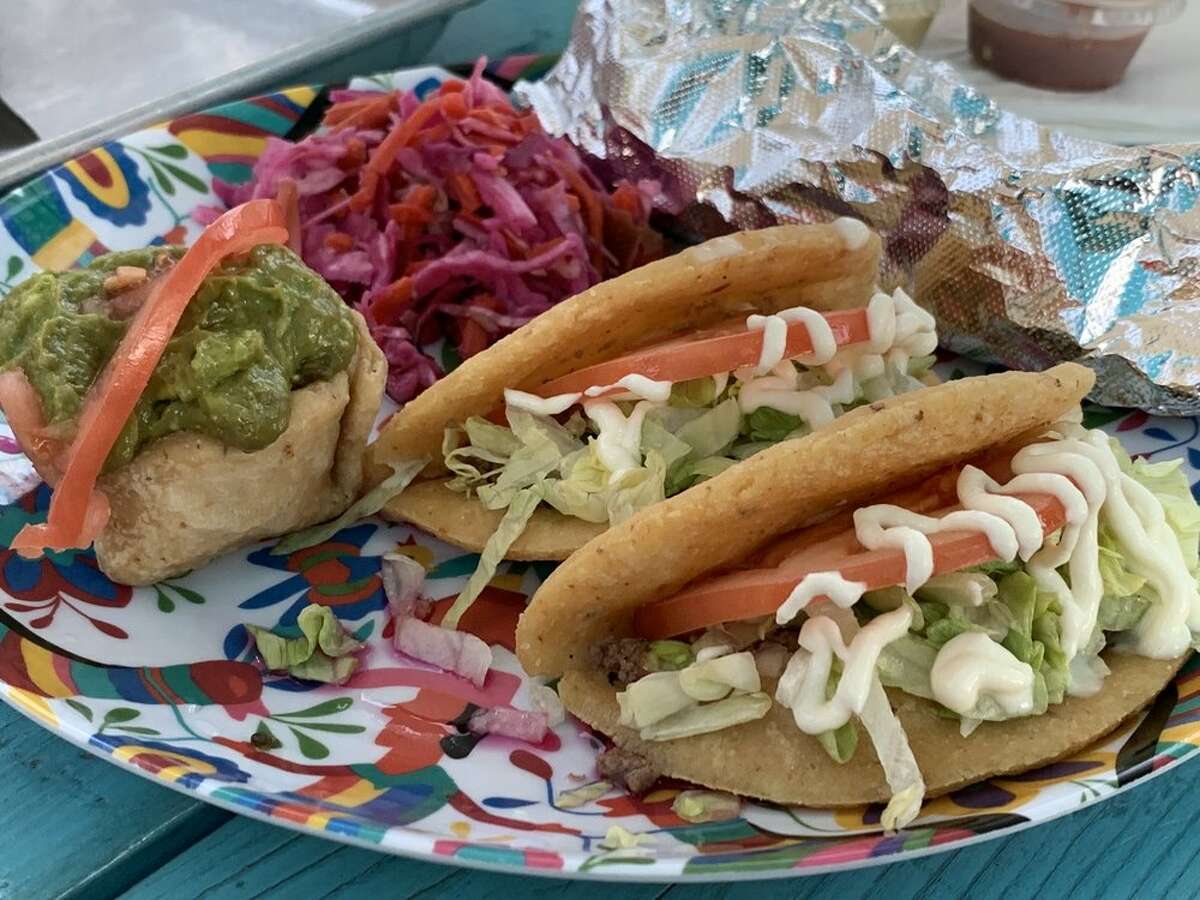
(261, 326)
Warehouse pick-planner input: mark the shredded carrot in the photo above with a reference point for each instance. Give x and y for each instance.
(385, 153)
(422, 195)
(455, 106)
(388, 303)
(367, 112)
(79, 512)
(409, 214)
(462, 188)
(355, 156)
(472, 336)
(593, 211)
(287, 194)
(453, 86)
(339, 241)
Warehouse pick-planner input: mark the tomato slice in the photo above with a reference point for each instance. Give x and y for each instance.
(23, 409)
(759, 592)
(78, 512)
(706, 353)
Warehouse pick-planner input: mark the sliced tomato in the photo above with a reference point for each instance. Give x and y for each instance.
(23, 409)
(708, 353)
(78, 512)
(752, 593)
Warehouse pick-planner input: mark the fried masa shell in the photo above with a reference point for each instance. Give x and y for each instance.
(188, 498)
(756, 271)
(870, 452)
(772, 759)
(752, 271)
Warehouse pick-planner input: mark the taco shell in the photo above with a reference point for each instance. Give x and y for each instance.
(872, 450)
(753, 271)
(188, 498)
(772, 759)
(454, 517)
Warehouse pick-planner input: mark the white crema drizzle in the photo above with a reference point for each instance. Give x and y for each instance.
(1078, 469)
(897, 330)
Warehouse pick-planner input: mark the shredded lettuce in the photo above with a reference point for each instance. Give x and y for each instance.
(668, 656)
(516, 517)
(713, 431)
(367, 505)
(1121, 613)
(708, 717)
(767, 424)
(699, 393)
(323, 651)
(840, 743)
(1168, 482)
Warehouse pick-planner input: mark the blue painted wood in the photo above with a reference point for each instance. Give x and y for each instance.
(75, 825)
(1140, 843)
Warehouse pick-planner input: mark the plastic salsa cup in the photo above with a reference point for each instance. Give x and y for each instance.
(908, 19)
(1081, 45)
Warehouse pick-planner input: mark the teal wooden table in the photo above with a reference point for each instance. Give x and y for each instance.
(72, 825)
(76, 826)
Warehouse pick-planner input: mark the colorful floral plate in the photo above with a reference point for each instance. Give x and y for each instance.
(159, 680)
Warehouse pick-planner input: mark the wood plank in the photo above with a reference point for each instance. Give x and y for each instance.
(75, 825)
(1137, 843)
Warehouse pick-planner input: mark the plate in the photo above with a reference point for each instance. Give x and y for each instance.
(159, 680)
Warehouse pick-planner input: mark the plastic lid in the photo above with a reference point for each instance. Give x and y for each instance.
(1105, 13)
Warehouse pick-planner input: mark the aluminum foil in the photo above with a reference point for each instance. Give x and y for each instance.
(1030, 246)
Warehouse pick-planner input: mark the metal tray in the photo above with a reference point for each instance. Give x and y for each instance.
(80, 80)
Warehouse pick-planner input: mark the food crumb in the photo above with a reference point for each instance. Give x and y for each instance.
(124, 278)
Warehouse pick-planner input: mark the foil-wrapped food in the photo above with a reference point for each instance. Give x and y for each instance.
(1030, 246)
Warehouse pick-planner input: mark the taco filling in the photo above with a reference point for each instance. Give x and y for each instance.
(606, 441)
(990, 591)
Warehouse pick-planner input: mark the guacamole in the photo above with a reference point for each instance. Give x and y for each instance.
(261, 326)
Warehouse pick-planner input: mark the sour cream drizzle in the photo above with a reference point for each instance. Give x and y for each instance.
(1079, 469)
(803, 684)
(619, 439)
(971, 666)
(897, 330)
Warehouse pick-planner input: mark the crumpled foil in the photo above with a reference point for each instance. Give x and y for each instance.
(1030, 246)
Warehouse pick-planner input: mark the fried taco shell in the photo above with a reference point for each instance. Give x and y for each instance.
(772, 759)
(188, 498)
(868, 454)
(870, 451)
(750, 272)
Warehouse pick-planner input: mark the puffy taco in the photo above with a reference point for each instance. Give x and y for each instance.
(649, 383)
(186, 402)
(942, 587)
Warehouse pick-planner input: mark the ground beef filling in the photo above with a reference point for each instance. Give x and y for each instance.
(627, 770)
(623, 660)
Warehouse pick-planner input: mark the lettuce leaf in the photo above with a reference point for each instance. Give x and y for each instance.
(699, 393)
(637, 488)
(840, 743)
(767, 424)
(367, 505)
(516, 517)
(323, 651)
(1168, 482)
(713, 431)
(906, 663)
(490, 437)
(671, 448)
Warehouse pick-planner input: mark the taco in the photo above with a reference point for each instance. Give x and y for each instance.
(186, 402)
(964, 574)
(648, 384)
